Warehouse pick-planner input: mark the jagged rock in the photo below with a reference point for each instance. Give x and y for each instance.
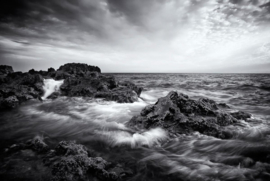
(102, 86)
(51, 69)
(37, 144)
(241, 115)
(179, 114)
(223, 105)
(78, 68)
(68, 161)
(79, 80)
(20, 87)
(10, 102)
(70, 148)
(5, 69)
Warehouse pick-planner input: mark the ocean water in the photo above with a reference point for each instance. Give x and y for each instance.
(100, 125)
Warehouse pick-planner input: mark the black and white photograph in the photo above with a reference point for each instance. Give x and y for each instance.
(135, 90)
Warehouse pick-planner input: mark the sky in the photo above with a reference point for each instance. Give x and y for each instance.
(176, 36)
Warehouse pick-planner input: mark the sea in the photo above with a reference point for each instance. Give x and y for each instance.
(151, 155)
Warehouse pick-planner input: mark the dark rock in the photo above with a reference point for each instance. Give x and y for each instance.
(10, 102)
(79, 80)
(78, 68)
(241, 115)
(101, 86)
(5, 69)
(51, 69)
(132, 86)
(68, 161)
(179, 114)
(223, 106)
(54, 95)
(70, 148)
(20, 87)
(37, 144)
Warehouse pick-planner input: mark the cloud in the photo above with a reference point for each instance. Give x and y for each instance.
(135, 35)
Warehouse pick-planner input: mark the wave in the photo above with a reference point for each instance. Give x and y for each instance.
(147, 138)
(50, 86)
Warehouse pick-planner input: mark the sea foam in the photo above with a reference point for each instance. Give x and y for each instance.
(50, 86)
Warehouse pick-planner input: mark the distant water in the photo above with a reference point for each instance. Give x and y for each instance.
(100, 125)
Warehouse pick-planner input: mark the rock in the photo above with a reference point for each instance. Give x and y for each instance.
(178, 114)
(68, 161)
(37, 144)
(241, 115)
(20, 87)
(10, 102)
(51, 69)
(223, 105)
(54, 95)
(132, 86)
(79, 80)
(70, 148)
(78, 68)
(5, 69)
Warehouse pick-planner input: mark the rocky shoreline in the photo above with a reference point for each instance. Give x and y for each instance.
(178, 114)
(35, 160)
(175, 113)
(79, 80)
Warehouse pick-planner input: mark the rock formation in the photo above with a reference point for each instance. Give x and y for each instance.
(178, 114)
(67, 161)
(79, 80)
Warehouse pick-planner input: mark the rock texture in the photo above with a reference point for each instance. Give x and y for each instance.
(79, 80)
(19, 87)
(179, 114)
(67, 161)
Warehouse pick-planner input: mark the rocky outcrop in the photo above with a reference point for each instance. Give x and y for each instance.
(78, 68)
(5, 69)
(79, 80)
(20, 87)
(67, 161)
(178, 114)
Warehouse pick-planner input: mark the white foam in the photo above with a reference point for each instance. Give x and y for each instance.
(50, 86)
(148, 138)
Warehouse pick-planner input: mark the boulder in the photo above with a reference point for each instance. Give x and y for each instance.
(178, 114)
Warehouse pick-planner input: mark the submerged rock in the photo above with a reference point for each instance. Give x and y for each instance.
(179, 114)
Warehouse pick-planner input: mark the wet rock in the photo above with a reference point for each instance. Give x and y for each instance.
(241, 115)
(79, 80)
(10, 102)
(179, 114)
(68, 161)
(70, 148)
(223, 105)
(37, 144)
(54, 95)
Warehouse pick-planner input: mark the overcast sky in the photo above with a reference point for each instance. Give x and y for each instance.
(137, 35)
